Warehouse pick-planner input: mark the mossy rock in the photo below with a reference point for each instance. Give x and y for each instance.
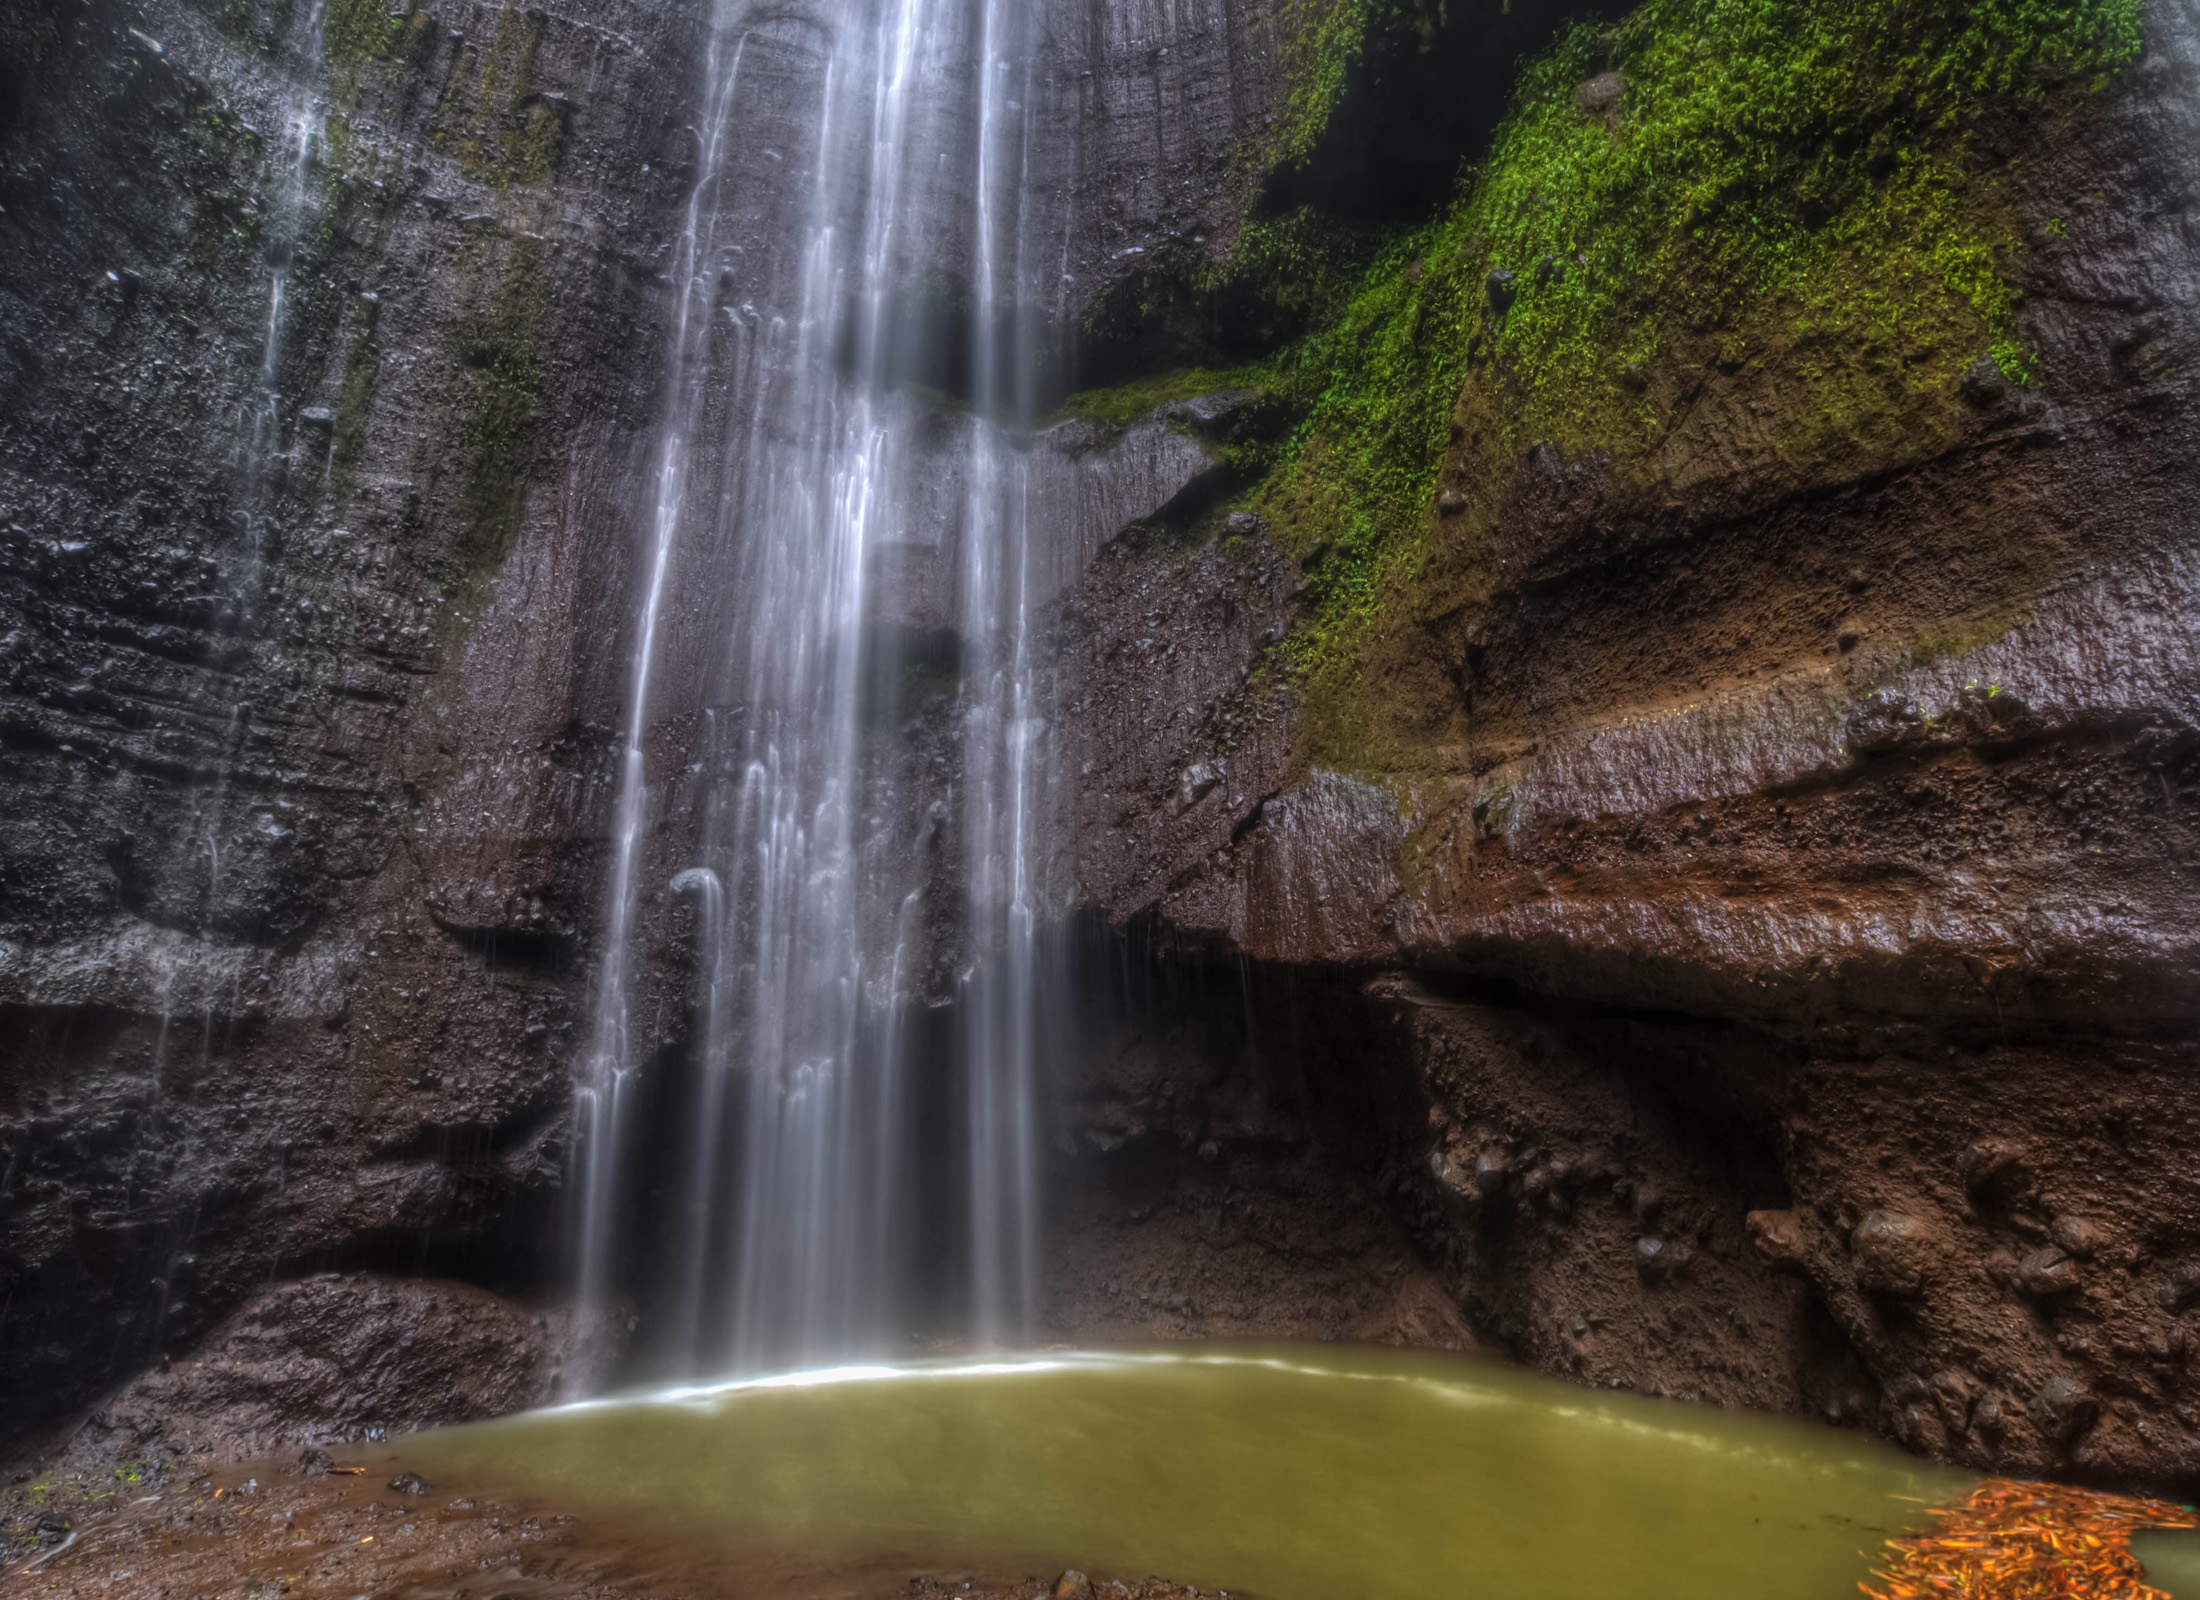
(1796, 211)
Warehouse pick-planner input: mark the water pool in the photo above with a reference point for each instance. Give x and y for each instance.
(1299, 1473)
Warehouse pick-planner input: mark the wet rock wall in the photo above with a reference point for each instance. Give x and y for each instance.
(311, 673)
(253, 1024)
(1768, 979)
(1779, 894)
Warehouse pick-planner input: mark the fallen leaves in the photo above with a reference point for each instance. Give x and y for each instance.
(2029, 1541)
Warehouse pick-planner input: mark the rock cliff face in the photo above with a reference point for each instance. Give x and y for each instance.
(333, 345)
(1772, 868)
(256, 582)
(1729, 932)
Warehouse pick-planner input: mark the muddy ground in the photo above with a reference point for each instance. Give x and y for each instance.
(263, 1529)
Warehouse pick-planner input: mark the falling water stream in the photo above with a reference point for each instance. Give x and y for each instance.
(766, 827)
(256, 476)
(183, 978)
(789, 446)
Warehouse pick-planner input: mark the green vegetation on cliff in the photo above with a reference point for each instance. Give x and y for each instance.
(1321, 42)
(1801, 194)
(505, 362)
(370, 30)
(1819, 151)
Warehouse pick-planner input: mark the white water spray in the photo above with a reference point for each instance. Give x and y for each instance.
(798, 1175)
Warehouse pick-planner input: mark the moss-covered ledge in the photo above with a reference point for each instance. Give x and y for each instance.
(1804, 213)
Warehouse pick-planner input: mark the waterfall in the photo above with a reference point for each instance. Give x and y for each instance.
(796, 452)
(602, 1094)
(181, 981)
(257, 473)
(1003, 724)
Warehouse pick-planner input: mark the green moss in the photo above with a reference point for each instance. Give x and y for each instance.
(1287, 274)
(1959, 636)
(1784, 194)
(1321, 43)
(2016, 363)
(509, 145)
(365, 30)
(496, 125)
(354, 406)
(1127, 402)
(1817, 152)
(532, 145)
(1377, 385)
(505, 355)
(498, 60)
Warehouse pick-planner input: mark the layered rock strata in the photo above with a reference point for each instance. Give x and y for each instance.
(1781, 895)
(333, 337)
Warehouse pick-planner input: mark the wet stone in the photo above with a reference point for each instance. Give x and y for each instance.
(2047, 1272)
(2063, 1409)
(2075, 1237)
(2180, 1289)
(1994, 1171)
(1601, 95)
(1778, 1236)
(1955, 1390)
(1888, 1252)
(1662, 1260)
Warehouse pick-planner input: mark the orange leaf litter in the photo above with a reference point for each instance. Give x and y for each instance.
(2029, 1541)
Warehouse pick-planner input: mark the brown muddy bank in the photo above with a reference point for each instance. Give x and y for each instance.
(276, 1528)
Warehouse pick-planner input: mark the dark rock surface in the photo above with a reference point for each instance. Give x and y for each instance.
(311, 668)
(330, 1360)
(250, 1024)
(337, 1359)
(1215, 1179)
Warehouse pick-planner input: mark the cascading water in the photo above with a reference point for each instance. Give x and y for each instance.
(610, 1066)
(793, 443)
(183, 976)
(1003, 723)
(257, 476)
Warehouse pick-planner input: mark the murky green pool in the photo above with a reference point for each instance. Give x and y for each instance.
(1296, 1473)
(2172, 1561)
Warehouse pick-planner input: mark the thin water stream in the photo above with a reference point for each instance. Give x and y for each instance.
(1297, 1473)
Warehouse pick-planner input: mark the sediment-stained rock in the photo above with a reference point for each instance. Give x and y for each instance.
(345, 1359)
(1809, 840)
